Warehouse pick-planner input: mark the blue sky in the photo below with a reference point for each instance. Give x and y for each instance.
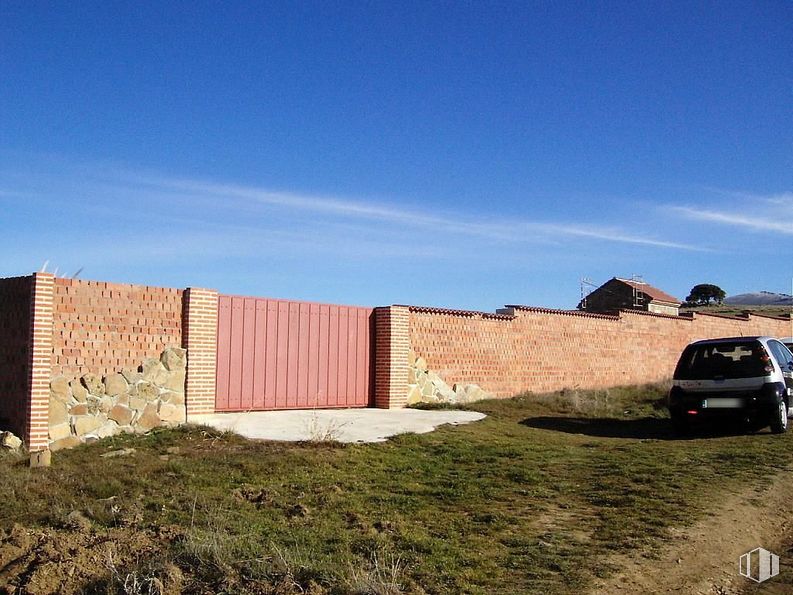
(452, 154)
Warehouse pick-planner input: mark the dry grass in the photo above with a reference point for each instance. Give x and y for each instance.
(530, 500)
(318, 430)
(648, 400)
(382, 575)
(133, 582)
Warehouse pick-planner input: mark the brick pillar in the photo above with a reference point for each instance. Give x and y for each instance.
(39, 362)
(392, 344)
(199, 337)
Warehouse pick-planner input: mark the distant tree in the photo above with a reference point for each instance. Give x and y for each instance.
(704, 293)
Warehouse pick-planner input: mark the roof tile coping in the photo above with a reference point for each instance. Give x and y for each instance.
(656, 314)
(780, 317)
(741, 316)
(719, 315)
(453, 312)
(541, 310)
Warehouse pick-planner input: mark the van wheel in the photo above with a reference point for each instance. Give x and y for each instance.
(779, 421)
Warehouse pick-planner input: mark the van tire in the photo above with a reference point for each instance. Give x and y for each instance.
(779, 420)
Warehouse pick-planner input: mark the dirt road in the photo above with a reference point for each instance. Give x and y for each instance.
(703, 558)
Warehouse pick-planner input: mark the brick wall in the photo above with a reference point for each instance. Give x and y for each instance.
(15, 296)
(71, 327)
(392, 346)
(40, 358)
(200, 339)
(544, 350)
(101, 327)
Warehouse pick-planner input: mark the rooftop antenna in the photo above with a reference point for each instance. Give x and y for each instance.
(587, 286)
(77, 274)
(44, 266)
(638, 295)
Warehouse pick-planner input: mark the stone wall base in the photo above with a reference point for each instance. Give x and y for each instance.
(130, 401)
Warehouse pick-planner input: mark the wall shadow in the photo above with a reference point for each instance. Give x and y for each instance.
(646, 428)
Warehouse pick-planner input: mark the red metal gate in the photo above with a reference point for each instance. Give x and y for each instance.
(278, 354)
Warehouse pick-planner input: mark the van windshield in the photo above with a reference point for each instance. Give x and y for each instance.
(744, 359)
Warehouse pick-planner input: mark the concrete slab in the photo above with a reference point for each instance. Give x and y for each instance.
(342, 425)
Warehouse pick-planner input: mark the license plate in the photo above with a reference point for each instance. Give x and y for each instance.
(722, 403)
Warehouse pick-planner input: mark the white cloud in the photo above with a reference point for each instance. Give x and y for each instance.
(615, 235)
(492, 229)
(116, 216)
(784, 200)
(773, 213)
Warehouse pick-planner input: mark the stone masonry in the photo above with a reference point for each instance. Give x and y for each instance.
(426, 386)
(132, 401)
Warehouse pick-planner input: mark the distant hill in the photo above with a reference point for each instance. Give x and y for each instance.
(766, 303)
(760, 298)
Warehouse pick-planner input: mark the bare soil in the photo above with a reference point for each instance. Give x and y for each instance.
(80, 559)
(703, 558)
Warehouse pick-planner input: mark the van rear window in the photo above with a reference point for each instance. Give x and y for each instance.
(745, 359)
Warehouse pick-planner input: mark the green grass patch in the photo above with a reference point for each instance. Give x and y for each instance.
(530, 500)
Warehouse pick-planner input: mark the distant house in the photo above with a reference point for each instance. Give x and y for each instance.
(629, 294)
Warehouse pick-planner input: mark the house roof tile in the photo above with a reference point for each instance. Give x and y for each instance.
(654, 293)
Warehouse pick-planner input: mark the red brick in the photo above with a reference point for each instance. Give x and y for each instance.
(100, 327)
(541, 350)
(200, 340)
